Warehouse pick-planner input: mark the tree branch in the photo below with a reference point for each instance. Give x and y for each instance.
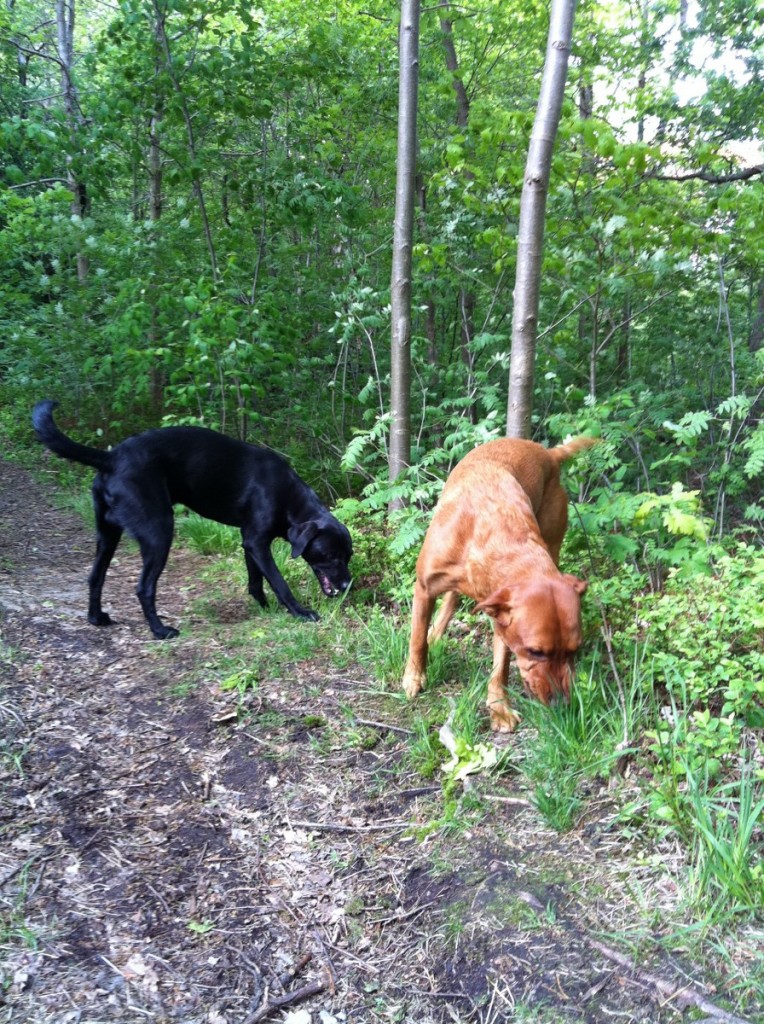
(35, 53)
(713, 179)
(41, 181)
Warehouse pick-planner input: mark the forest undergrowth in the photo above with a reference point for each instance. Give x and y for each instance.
(251, 822)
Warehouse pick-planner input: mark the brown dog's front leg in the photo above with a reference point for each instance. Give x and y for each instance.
(448, 606)
(503, 718)
(416, 667)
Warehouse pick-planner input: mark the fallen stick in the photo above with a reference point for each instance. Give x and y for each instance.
(313, 989)
(326, 826)
(685, 995)
(384, 726)
(292, 973)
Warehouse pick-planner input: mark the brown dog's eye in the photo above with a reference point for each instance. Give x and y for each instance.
(533, 653)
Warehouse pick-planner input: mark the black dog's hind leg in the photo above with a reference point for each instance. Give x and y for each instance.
(154, 543)
(255, 580)
(259, 551)
(107, 538)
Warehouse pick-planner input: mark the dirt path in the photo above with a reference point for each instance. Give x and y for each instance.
(165, 858)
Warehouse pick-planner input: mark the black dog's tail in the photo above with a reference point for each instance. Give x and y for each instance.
(51, 437)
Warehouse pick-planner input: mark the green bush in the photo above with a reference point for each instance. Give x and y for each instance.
(708, 632)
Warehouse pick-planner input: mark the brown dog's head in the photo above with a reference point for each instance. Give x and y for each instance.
(540, 622)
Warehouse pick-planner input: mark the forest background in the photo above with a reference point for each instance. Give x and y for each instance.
(196, 206)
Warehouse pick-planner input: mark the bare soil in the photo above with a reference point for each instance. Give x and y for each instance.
(171, 854)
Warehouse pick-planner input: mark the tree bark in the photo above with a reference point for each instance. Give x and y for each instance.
(400, 286)
(532, 210)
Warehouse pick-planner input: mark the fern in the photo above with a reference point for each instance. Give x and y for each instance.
(691, 426)
(363, 440)
(754, 445)
(735, 407)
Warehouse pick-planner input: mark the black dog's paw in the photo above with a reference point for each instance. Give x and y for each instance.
(166, 633)
(306, 614)
(100, 619)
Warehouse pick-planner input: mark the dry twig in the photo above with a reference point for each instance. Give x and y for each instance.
(384, 726)
(683, 994)
(325, 826)
(292, 973)
(312, 989)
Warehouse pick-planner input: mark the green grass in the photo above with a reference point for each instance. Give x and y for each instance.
(570, 742)
(14, 926)
(270, 648)
(206, 536)
(726, 876)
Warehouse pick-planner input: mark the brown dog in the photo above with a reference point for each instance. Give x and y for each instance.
(495, 536)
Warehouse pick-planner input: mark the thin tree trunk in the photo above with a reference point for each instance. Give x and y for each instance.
(65, 47)
(403, 228)
(155, 213)
(756, 335)
(532, 210)
(155, 166)
(462, 100)
(466, 296)
(22, 60)
(161, 30)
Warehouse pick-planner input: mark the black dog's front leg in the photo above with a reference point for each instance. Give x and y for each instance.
(255, 580)
(259, 552)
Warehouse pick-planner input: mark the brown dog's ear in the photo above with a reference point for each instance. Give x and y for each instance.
(498, 602)
(578, 585)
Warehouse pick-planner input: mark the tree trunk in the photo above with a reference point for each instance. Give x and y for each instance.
(756, 335)
(466, 296)
(22, 60)
(462, 100)
(531, 228)
(65, 47)
(400, 286)
(155, 213)
(196, 180)
(155, 165)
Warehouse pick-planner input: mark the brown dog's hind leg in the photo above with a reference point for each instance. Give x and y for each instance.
(416, 667)
(448, 606)
(503, 718)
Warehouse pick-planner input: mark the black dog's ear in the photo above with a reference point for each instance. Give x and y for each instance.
(300, 536)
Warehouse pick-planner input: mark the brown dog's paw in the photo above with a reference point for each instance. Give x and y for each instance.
(413, 682)
(503, 718)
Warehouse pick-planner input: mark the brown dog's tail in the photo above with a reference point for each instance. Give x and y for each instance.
(566, 451)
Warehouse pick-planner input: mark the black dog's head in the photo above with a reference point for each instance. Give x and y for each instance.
(326, 546)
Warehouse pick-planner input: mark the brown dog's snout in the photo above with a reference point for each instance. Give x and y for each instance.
(549, 682)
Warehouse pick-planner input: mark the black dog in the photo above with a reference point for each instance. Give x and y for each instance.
(140, 480)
